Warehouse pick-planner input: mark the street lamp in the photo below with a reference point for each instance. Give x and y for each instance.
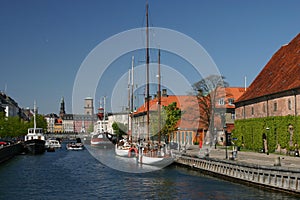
(226, 141)
(178, 139)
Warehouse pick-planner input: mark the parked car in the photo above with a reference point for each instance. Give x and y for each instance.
(4, 143)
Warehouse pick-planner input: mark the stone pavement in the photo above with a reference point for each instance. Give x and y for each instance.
(255, 158)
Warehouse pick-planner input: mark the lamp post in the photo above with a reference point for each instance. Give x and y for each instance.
(178, 139)
(226, 140)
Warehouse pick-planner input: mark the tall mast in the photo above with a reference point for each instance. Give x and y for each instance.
(132, 90)
(34, 117)
(128, 126)
(104, 115)
(147, 76)
(159, 99)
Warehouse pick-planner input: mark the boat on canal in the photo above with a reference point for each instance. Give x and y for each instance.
(34, 141)
(75, 146)
(52, 143)
(149, 153)
(101, 138)
(124, 147)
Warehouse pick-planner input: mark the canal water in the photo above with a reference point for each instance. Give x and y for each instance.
(78, 175)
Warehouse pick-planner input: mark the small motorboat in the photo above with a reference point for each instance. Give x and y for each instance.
(52, 143)
(75, 146)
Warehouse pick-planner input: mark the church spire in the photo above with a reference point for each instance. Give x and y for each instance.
(62, 111)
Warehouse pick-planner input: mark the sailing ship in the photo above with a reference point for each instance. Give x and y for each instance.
(101, 137)
(125, 147)
(34, 141)
(150, 154)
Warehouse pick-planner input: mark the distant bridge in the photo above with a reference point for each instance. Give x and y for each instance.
(70, 136)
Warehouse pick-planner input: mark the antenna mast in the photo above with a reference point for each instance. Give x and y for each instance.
(147, 76)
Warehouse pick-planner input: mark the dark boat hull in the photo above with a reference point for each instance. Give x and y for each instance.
(35, 146)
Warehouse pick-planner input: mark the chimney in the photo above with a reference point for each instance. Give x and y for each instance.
(164, 92)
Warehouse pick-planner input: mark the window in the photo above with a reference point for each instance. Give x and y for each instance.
(233, 115)
(275, 106)
(290, 104)
(264, 108)
(252, 111)
(221, 101)
(230, 101)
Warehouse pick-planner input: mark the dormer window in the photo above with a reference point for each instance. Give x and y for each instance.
(221, 101)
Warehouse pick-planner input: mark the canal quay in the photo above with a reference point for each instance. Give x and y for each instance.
(271, 171)
(78, 175)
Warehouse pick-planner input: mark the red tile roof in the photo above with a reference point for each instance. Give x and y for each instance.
(187, 104)
(190, 118)
(281, 73)
(233, 93)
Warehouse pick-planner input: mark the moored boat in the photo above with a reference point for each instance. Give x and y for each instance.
(156, 155)
(34, 141)
(124, 149)
(100, 140)
(100, 136)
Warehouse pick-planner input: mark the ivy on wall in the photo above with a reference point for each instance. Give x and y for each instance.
(249, 132)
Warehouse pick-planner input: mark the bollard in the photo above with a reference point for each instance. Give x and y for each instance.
(277, 161)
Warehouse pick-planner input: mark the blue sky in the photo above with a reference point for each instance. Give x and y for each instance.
(43, 43)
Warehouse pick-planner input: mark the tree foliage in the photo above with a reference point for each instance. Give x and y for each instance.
(171, 115)
(15, 126)
(119, 129)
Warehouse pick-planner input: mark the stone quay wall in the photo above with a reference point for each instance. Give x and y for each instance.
(10, 151)
(270, 177)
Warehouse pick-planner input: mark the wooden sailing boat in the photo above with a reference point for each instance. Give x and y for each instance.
(125, 147)
(158, 156)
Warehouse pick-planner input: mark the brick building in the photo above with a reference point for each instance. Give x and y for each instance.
(276, 90)
(268, 112)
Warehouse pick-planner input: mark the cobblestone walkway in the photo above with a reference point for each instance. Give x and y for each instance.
(262, 159)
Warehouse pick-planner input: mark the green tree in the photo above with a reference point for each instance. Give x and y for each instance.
(15, 126)
(119, 129)
(170, 114)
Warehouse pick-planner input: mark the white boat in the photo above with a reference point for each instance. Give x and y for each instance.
(34, 141)
(52, 143)
(75, 146)
(149, 154)
(155, 157)
(124, 149)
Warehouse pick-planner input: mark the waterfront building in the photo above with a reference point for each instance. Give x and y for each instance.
(58, 128)
(68, 123)
(84, 123)
(51, 118)
(191, 127)
(268, 112)
(225, 112)
(120, 117)
(9, 106)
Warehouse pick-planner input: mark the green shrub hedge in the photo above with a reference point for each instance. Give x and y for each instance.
(249, 132)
